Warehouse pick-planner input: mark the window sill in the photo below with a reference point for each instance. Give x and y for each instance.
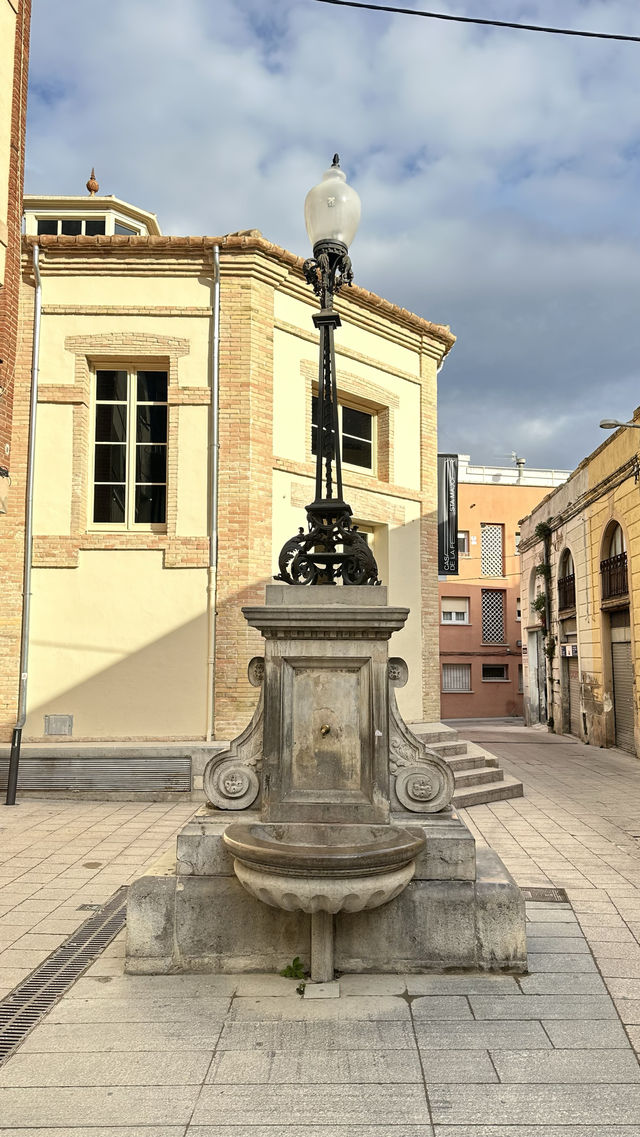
(495, 680)
(456, 624)
(443, 692)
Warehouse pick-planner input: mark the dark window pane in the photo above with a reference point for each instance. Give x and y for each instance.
(124, 230)
(71, 227)
(357, 452)
(94, 228)
(314, 440)
(314, 410)
(151, 463)
(108, 504)
(151, 424)
(111, 385)
(48, 227)
(152, 386)
(151, 504)
(356, 422)
(111, 422)
(110, 465)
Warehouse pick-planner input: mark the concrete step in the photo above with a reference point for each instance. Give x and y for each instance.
(507, 787)
(488, 774)
(446, 749)
(432, 732)
(466, 762)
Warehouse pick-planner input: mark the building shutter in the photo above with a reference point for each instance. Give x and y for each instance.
(574, 697)
(492, 616)
(623, 695)
(492, 560)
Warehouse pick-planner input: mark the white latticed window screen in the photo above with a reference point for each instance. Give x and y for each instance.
(456, 677)
(492, 617)
(492, 561)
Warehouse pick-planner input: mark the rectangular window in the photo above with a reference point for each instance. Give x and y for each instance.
(356, 432)
(463, 543)
(492, 546)
(518, 609)
(517, 540)
(495, 673)
(455, 609)
(456, 676)
(130, 448)
(125, 230)
(492, 616)
(72, 226)
(520, 683)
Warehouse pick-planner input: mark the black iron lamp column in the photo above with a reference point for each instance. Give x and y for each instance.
(332, 549)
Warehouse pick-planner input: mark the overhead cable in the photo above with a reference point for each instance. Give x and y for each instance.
(478, 20)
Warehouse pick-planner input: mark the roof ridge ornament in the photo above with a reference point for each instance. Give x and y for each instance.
(92, 184)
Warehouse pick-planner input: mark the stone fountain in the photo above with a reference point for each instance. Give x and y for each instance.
(329, 832)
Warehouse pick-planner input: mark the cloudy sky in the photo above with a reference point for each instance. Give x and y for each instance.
(499, 173)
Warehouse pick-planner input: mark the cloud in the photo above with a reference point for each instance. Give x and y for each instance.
(499, 173)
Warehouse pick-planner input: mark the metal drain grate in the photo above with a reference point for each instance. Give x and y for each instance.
(548, 895)
(32, 999)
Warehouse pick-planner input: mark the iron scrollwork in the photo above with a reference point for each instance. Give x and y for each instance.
(332, 549)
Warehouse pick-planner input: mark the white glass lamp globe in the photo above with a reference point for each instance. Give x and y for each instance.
(332, 208)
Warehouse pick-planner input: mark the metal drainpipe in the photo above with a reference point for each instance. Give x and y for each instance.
(16, 739)
(214, 448)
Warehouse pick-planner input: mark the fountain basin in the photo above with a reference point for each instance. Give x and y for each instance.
(323, 868)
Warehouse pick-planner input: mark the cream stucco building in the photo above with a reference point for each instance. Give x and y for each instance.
(580, 580)
(140, 567)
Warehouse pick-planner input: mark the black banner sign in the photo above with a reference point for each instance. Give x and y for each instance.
(448, 514)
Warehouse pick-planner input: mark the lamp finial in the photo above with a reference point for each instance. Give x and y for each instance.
(92, 184)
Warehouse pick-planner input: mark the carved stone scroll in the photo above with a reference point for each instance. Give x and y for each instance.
(231, 779)
(420, 780)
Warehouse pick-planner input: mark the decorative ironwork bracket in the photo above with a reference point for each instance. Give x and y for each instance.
(332, 550)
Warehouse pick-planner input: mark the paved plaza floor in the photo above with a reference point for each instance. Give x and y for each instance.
(545, 1055)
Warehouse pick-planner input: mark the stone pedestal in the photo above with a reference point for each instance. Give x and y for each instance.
(334, 809)
(462, 910)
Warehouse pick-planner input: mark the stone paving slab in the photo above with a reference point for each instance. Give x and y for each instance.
(294, 1009)
(104, 1105)
(482, 1036)
(305, 1104)
(302, 1036)
(251, 1067)
(543, 1007)
(571, 964)
(527, 1105)
(390, 1129)
(121, 1069)
(134, 1010)
(562, 1066)
(587, 1035)
(83, 1038)
(536, 1131)
(98, 1131)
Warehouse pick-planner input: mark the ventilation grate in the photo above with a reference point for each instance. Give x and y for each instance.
(546, 895)
(32, 999)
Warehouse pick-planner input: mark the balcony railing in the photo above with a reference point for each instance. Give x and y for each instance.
(567, 592)
(613, 571)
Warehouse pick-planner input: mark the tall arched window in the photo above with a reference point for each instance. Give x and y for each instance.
(613, 566)
(566, 582)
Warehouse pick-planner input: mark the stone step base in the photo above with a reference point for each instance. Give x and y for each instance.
(488, 774)
(507, 787)
(478, 775)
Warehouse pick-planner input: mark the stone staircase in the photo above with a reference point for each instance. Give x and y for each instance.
(479, 778)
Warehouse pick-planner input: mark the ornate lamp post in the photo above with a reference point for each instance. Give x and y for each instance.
(331, 549)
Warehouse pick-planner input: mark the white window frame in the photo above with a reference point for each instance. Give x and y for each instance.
(129, 524)
(463, 552)
(368, 471)
(495, 679)
(110, 222)
(462, 600)
(456, 690)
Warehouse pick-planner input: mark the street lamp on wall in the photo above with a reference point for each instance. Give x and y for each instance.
(332, 549)
(613, 424)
